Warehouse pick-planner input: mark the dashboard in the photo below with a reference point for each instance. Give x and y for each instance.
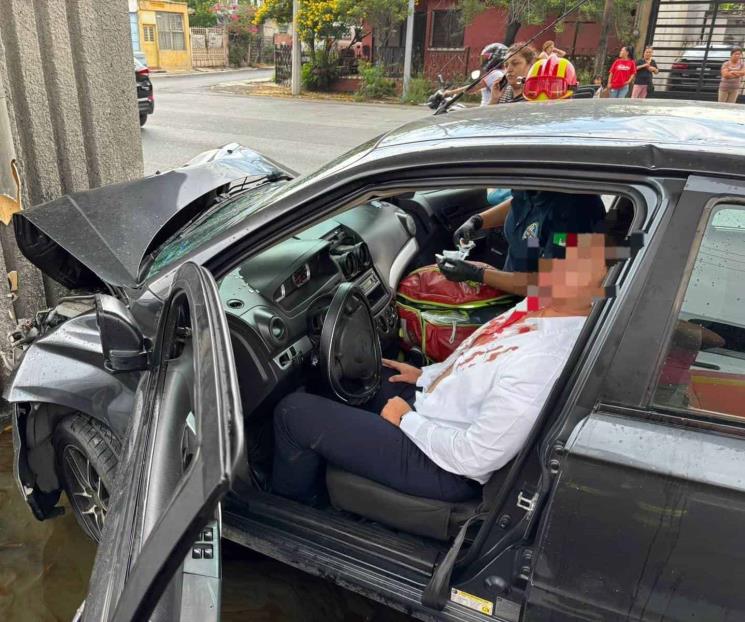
(276, 301)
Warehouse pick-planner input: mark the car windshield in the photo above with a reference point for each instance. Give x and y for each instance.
(210, 224)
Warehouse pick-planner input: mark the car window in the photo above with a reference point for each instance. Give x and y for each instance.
(704, 369)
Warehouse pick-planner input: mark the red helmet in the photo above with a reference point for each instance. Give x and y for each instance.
(550, 78)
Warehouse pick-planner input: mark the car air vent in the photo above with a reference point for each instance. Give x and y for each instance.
(363, 256)
(350, 264)
(277, 329)
(272, 327)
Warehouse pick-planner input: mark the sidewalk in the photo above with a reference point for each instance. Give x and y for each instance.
(198, 71)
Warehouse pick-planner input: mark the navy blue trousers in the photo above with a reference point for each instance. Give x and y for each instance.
(310, 430)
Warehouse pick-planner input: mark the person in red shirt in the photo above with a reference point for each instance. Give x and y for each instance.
(621, 74)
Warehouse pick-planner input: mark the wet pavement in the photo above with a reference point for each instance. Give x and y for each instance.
(44, 570)
(44, 566)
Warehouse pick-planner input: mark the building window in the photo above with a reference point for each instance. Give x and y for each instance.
(170, 31)
(447, 29)
(704, 370)
(148, 33)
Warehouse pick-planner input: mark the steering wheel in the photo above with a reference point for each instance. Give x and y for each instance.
(350, 353)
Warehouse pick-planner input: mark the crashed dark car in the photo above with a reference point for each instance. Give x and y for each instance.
(148, 398)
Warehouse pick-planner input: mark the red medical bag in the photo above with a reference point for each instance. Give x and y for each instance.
(436, 315)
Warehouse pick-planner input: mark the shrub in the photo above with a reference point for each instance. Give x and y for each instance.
(419, 91)
(374, 84)
(320, 72)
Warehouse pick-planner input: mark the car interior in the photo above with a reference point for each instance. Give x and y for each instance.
(277, 302)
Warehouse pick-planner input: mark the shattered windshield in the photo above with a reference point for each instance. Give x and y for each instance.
(209, 225)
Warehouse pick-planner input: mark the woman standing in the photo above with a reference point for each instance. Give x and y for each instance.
(732, 72)
(516, 68)
(621, 74)
(646, 69)
(548, 49)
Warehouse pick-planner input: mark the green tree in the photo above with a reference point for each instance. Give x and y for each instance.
(202, 17)
(519, 12)
(382, 16)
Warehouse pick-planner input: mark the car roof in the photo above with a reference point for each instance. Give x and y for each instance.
(667, 132)
(646, 121)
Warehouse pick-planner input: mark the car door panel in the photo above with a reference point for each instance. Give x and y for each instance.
(177, 463)
(643, 523)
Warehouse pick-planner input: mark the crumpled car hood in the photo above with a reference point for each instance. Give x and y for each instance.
(86, 239)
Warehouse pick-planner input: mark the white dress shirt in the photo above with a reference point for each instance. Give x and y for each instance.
(484, 399)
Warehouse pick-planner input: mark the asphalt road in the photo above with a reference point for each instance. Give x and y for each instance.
(190, 118)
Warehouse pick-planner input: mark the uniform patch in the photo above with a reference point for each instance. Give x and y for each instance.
(531, 231)
(472, 602)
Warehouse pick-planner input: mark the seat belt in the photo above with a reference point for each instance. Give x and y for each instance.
(437, 593)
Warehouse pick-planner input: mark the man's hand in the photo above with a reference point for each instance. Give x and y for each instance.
(467, 231)
(394, 409)
(459, 270)
(406, 373)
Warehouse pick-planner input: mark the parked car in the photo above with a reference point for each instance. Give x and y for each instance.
(148, 398)
(695, 78)
(145, 96)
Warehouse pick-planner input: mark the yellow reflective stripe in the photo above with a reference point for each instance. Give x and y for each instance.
(480, 304)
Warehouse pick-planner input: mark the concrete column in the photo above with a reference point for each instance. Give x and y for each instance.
(67, 90)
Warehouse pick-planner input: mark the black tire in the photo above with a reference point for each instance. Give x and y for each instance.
(87, 454)
(143, 118)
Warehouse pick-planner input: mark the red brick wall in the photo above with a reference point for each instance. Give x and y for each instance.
(490, 25)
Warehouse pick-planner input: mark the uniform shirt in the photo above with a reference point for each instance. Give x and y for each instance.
(621, 71)
(535, 216)
(478, 406)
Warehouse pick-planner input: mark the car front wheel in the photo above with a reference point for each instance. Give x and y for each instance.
(87, 456)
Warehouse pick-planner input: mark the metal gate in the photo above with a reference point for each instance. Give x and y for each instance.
(691, 41)
(209, 47)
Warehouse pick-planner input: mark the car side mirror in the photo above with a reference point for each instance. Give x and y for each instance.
(475, 74)
(124, 347)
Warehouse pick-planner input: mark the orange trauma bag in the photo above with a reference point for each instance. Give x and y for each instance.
(436, 315)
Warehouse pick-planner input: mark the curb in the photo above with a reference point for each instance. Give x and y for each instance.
(163, 74)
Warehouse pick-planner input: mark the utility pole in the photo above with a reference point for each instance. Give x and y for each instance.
(600, 68)
(296, 59)
(409, 48)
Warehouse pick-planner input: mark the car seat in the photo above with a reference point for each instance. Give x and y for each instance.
(431, 518)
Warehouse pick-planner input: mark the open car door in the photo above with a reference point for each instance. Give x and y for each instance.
(159, 553)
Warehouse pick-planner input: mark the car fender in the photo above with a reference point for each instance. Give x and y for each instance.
(66, 368)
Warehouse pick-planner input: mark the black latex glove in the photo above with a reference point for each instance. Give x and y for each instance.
(467, 231)
(459, 270)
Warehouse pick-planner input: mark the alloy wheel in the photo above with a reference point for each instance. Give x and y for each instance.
(87, 492)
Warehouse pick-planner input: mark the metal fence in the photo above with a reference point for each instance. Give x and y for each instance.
(691, 41)
(452, 65)
(209, 47)
(283, 64)
(261, 50)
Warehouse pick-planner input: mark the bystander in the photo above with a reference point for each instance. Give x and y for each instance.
(646, 69)
(621, 73)
(733, 71)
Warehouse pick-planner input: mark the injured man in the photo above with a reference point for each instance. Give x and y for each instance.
(441, 431)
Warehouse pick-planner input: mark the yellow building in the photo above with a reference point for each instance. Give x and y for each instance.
(164, 34)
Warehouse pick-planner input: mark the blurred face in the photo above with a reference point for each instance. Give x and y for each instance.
(736, 56)
(577, 279)
(624, 53)
(648, 54)
(516, 68)
(549, 48)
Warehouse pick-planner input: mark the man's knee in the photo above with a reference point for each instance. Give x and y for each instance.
(296, 409)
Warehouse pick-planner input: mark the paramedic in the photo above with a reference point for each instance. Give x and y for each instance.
(529, 219)
(457, 421)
